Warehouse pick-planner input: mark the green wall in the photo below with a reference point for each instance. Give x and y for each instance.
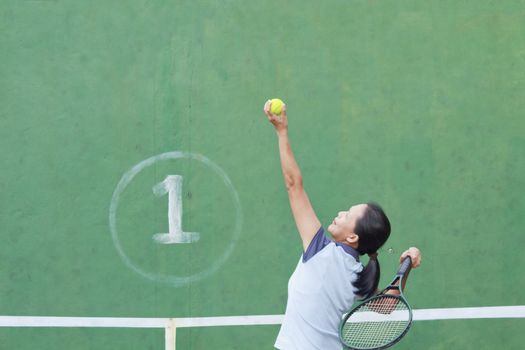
(415, 104)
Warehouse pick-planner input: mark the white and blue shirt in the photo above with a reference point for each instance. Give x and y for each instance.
(320, 291)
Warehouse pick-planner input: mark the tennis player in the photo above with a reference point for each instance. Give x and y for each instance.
(328, 277)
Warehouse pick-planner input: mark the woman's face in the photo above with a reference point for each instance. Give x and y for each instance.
(344, 224)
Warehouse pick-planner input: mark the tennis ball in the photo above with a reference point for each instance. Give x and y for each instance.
(277, 106)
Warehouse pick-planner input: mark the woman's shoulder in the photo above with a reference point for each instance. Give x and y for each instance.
(318, 243)
(322, 245)
(347, 250)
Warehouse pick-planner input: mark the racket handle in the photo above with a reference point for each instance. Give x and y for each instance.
(406, 265)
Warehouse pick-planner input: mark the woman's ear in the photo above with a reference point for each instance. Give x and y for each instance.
(352, 239)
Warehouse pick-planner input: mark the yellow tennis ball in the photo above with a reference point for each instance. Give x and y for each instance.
(276, 106)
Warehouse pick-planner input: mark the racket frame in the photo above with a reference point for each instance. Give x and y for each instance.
(396, 284)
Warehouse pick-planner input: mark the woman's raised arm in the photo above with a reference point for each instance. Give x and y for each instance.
(305, 218)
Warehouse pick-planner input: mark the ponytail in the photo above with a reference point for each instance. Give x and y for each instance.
(373, 230)
(368, 279)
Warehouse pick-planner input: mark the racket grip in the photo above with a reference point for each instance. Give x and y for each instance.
(406, 265)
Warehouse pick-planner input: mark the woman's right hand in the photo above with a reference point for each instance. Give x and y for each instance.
(414, 254)
(279, 122)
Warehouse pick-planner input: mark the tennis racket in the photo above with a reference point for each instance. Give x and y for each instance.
(380, 321)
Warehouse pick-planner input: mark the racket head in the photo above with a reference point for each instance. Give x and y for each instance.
(377, 323)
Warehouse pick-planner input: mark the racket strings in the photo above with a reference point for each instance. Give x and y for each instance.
(376, 323)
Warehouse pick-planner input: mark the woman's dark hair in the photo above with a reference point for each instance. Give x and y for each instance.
(373, 229)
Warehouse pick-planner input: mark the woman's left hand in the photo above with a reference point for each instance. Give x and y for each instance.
(279, 122)
(414, 254)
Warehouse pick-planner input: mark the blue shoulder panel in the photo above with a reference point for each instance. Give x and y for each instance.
(316, 245)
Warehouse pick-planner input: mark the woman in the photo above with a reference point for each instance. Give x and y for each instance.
(329, 276)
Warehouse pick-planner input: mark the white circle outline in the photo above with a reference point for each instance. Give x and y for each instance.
(124, 182)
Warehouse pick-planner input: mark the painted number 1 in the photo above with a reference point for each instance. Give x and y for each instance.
(172, 185)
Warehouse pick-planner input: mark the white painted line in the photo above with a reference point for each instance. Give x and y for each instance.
(230, 321)
(517, 311)
(170, 335)
(470, 312)
(118, 322)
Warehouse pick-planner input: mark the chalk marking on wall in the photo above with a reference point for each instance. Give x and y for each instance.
(172, 185)
(126, 179)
